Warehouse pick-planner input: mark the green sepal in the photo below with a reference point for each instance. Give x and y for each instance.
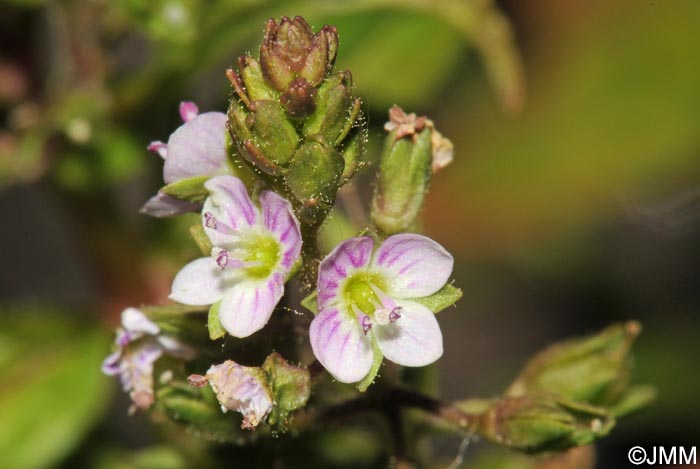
(443, 298)
(290, 385)
(255, 85)
(332, 108)
(377, 359)
(190, 189)
(310, 302)
(273, 134)
(201, 239)
(216, 331)
(636, 398)
(352, 156)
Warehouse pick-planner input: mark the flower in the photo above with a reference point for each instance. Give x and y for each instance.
(254, 250)
(367, 297)
(239, 388)
(196, 148)
(139, 344)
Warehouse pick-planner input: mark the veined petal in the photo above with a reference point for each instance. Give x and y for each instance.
(247, 306)
(162, 205)
(110, 365)
(197, 148)
(414, 339)
(340, 345)
(198, 283)
(416, 265)
(279, 218)
(349, 256)
(230, 203)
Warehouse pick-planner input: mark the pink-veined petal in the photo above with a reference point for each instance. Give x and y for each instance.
(133, 320)
(279, 218)
(162, 205)
(340, 345)
(349, 256)
(230, 203)
(247, 306)
(414, 339)
(198, 283)
(416, 266)
(197, 148)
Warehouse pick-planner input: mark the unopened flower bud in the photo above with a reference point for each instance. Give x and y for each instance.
(535, 425)
(593, 369)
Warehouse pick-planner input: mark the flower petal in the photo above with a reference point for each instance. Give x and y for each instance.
(197, 148)
(110, 365)
(279, 218)
(416, 265)
(229, 202)
(198, 283)
(414, 339)
(188, 111)
(162, 205)
(340, 345)
(347, 257)
(247, 306)
(134, 320)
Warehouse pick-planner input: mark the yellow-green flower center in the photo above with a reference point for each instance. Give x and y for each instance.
(261, 253)
(360, 290)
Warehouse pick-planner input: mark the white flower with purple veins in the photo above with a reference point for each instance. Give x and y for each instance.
(254, 251)
(139, 345)
(366, 297)
(196, 148)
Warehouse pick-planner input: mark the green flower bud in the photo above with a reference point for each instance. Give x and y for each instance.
(404, 173)
(314, 176)
(593, 369)
(539, 424)
(294, 123)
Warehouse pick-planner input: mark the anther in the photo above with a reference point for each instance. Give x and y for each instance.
(222, 258)
(210, 220)
(395, 314)
(366, 324)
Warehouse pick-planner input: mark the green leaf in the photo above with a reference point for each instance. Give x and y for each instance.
(201, 239)
(52, 391)
(446, 296)
(191, 189)
(310, 302)
(377, 359)
(216, 331)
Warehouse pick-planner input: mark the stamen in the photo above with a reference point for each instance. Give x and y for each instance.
(222, 258)
(210, 220)
(395, 314)
(366, 324)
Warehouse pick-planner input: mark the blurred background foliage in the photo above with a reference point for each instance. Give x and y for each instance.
(568, 209)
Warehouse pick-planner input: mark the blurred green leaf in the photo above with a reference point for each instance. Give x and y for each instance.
(52, 391)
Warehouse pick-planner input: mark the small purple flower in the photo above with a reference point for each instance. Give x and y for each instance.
(196, 148)
(254, 250)
(241, 389)
(366, 296)
(139, 344)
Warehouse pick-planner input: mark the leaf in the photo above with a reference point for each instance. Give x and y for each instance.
(310, 302)
(201, 239)
(52, 391)
(191, 189)
(216, 331)
(377, 359)
(446, 296)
